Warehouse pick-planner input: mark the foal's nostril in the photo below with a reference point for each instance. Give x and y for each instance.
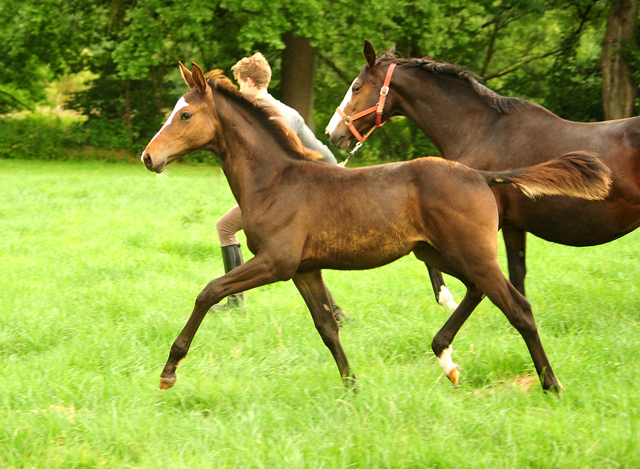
(147, 160)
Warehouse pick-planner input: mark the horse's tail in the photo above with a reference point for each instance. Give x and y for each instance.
(577, 174)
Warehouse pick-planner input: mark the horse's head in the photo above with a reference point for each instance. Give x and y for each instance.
(359, 108)
(191, 125)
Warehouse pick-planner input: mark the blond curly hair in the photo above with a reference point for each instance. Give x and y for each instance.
(255, 67)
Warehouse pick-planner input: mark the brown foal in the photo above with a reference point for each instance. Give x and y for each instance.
(301, 216)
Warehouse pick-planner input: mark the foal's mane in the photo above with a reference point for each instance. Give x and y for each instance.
(264, 112)
(493, 99)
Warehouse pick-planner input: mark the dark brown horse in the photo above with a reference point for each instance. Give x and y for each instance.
(301, 216)
(473, 125)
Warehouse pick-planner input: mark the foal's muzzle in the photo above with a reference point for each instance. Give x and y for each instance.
(148, 162)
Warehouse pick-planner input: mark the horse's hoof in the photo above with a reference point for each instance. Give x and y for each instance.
(454, 375)
(351, 383)
(166, 383)
(556, 389)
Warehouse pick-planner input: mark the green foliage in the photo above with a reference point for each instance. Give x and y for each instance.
(544, 50)
(50, 137)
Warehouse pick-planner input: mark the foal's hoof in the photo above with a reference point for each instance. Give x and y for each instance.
(166, 383)
(351, 383)
(454, 375)
(556, 389)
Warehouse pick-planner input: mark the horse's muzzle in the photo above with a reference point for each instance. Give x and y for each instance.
(338, 140)
(148, 162)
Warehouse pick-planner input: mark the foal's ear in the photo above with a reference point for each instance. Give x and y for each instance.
(392, 52)
(186, 74)
(369, 53)
(198, 77)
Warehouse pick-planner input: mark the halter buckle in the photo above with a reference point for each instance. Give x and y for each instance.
(384, 91)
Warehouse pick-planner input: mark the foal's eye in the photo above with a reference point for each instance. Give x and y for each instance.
(356, 88)
(186, 116)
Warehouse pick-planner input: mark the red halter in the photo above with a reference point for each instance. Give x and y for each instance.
(378, 108)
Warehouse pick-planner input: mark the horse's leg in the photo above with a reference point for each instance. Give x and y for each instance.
(441, 344)
(315, 295)
(515, 241)
(254, 273)
(440, 290)
(517, 309)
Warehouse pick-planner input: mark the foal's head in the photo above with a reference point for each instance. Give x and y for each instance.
(195, 121)
(191, 126)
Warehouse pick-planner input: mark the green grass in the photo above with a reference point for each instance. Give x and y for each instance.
(99, 268)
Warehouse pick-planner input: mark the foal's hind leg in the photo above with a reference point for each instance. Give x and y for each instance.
(441, 343)
(517, 309)
(315, 295)
(443, 295)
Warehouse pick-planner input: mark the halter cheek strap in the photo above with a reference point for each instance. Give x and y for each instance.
(378, 108)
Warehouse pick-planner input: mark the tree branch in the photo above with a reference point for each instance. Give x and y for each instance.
(334, 67)
(16, 100)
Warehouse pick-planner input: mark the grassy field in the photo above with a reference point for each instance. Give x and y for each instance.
(99, 268)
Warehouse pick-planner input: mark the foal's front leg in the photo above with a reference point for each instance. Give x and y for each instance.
(254, 273)
(315, 295)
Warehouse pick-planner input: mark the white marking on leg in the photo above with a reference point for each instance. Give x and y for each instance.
(179, 105)
(336, 119)
(327, 307)
(445, 298)
(445, 362)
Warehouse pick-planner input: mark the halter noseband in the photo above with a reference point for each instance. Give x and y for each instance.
(378, 108)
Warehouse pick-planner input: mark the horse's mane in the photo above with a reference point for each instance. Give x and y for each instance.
(266, 113)
(493, 99)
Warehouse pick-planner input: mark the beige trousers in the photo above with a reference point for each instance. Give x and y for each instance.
(229, 225)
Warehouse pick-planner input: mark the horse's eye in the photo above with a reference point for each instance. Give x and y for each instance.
(186, 116)
(356, 88)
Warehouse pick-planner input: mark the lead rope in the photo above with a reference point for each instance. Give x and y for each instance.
(344, 163)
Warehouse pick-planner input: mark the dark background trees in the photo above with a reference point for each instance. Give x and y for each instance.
(579, 58)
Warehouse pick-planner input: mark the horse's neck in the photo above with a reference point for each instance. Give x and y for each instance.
(250, 155)
(448, 111)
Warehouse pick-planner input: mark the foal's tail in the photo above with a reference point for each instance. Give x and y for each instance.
(577, 174)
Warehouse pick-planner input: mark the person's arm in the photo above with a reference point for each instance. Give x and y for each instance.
(310, 141)
(306, 136)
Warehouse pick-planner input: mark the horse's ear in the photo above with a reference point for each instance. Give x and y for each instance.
(369, 53)
(392, 52)
(186, 74)
(198, 77)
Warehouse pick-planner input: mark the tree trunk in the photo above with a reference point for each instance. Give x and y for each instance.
(296, 88)
(618, 89)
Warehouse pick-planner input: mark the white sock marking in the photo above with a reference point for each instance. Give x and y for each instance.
(445, 298)
(445, 362)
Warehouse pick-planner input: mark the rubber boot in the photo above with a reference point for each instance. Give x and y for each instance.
(338, 313)
(231, 258)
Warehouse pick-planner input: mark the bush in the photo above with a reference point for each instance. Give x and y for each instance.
(48, 136)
